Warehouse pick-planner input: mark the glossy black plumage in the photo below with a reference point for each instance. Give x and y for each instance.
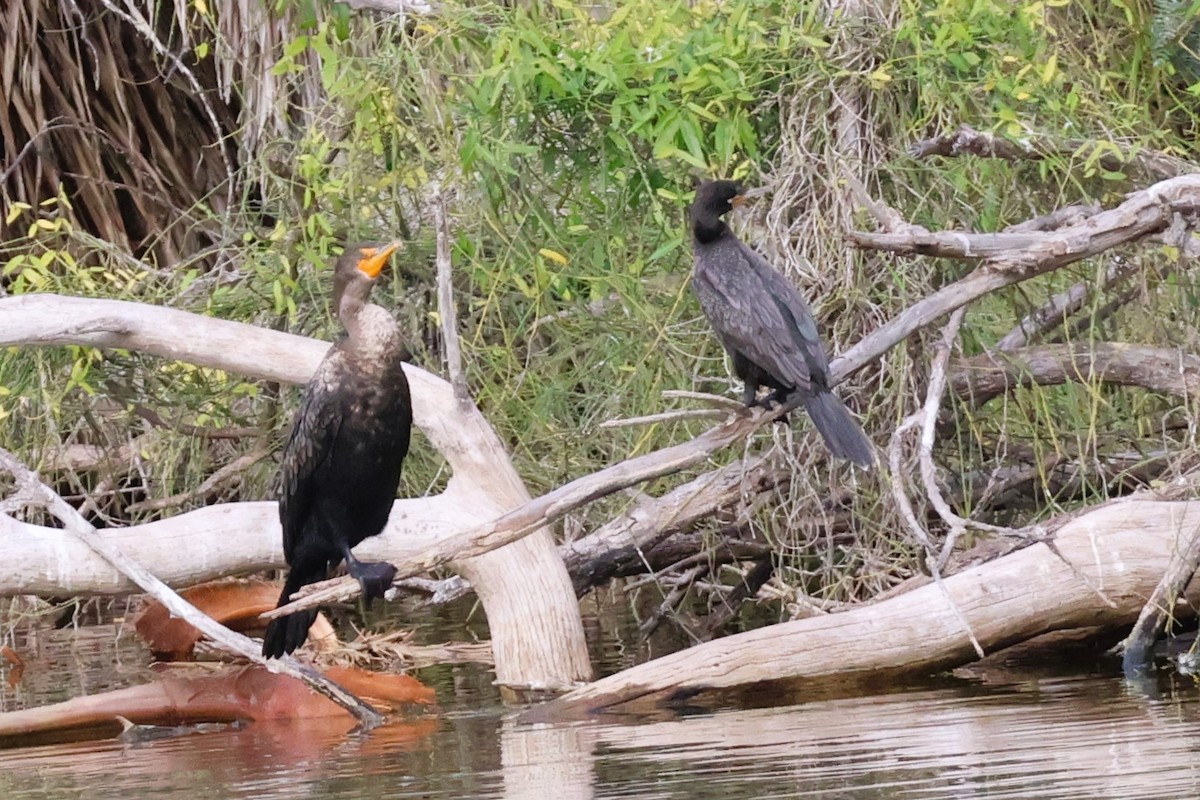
(341, 464)
(765, 325)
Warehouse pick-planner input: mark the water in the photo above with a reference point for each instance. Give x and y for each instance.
(993, 735)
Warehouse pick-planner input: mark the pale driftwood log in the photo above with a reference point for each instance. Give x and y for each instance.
(536, 629)
(1121, 548)
(31, 487)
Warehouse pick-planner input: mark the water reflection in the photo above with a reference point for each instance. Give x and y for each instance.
(1087, 737)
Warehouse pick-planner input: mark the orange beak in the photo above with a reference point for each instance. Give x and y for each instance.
(373, 261)
(738, 201)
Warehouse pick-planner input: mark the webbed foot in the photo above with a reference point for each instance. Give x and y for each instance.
(375, 578)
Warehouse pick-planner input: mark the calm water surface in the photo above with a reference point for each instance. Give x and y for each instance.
(1004, 735)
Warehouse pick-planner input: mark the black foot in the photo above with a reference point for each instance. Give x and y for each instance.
(375, 578)
(772, 401)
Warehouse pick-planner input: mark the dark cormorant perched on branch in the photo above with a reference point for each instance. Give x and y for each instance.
(341, 464)
(765, 325)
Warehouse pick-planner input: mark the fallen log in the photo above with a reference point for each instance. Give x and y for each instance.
(1111, 560)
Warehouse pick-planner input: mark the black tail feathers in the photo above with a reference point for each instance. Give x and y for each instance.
(844, 438)
(287, 633)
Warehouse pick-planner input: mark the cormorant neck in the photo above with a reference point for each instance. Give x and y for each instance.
(708, 229)
(353, 301)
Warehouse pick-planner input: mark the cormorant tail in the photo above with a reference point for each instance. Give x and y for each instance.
(844, 438)
(285, 634)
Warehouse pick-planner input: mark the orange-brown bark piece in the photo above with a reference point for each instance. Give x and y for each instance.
(235, 604)
(240, 694)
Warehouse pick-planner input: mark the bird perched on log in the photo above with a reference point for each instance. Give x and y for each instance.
(341, 464)
(764, 324)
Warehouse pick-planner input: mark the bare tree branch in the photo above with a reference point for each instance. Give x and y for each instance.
(1165, 370)
(230, 470)
(1160, 608)
(1144, 213)
(1062, 305)
(968, 141)
(447, 312)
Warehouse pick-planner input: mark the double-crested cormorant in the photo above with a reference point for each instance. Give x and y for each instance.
(341, 464)
(764, 324)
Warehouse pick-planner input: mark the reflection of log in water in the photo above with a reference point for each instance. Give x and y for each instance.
(1111, 560)
(1070, 738)
(192, 695)
(547, 760)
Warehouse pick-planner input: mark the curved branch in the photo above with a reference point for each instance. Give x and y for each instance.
(984, 377)
(968, 141)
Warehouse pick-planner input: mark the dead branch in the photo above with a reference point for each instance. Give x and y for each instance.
(230, 470)
(624, 540)
(30, 486)
(945, 244)
(665, 416)
(1059, 218)
(1143, 213)
(984, 377)
(546, 509)
(1162, 606)
(744, 590)
(968, 141)
(1062, 305)
(1034, 252)
(394, 6)
(926, 419)
(447, 312)
(670, 603)
(186, 429)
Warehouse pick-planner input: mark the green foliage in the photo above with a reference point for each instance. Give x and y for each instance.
(1175, 36)
(585, 136)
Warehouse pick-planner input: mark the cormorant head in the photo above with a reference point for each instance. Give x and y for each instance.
(714, 199)
(357, 269)
(718, 198)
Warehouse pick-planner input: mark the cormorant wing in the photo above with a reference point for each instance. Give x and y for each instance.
(309, 446)
(765, 319)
